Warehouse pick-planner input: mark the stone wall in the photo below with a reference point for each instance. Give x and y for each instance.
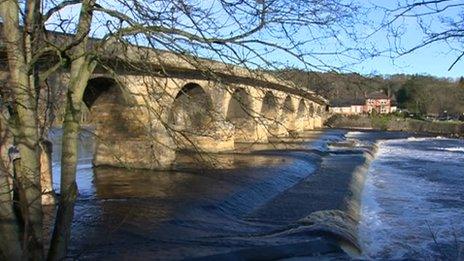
(394, 123)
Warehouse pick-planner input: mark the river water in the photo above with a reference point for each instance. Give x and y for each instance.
(413, 200)
(332, 193)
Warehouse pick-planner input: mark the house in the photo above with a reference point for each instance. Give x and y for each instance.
(347, 107)
(377, 102)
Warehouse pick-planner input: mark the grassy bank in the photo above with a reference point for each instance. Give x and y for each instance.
(396, 123)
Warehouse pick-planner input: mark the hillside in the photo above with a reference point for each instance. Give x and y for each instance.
(419, 94)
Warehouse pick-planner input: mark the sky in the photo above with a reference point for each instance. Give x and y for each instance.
(434, 59)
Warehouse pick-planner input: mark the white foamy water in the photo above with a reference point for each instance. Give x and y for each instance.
(413, 201)
(453, 149)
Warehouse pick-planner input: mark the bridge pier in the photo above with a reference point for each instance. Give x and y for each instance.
(318, 117)
(134, 153)
(126, 142)
(249, 131)
(216, 137)
(318, 122)
(309, 123)
(300, 125)
(281, 131)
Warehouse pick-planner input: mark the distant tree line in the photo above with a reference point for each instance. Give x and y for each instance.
(429, 95)
(419, 94)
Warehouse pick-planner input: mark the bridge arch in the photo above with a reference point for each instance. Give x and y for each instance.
(270, 106)
(191, 109)
(302, 109)
(96, 87)
(196, 124)
(288, 105)
(240, 112)
(269, 113)
(319, 110)
(108, 108)
(311, 109)
(123, 127)
(240, 106)
(288, 114)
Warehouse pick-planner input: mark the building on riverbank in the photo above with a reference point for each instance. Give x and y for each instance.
(377, 102)
(348, 107)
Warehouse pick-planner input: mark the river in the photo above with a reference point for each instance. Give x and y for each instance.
(331, 193)
(413, 200)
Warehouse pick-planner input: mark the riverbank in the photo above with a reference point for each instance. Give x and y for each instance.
(396, 123)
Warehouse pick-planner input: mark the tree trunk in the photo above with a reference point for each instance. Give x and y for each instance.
(81, 69)
(46, 175)
(10, 249)
(69, 157)
(68, 186)
(27, 136)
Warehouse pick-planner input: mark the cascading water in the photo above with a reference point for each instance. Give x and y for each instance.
(269, 201)
(413, 201)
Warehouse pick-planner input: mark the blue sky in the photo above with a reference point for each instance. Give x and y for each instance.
(434, 59)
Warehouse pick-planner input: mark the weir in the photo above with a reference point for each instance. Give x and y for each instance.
(285, 199)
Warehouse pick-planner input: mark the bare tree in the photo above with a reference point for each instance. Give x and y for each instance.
(252, 34)
(439, 21)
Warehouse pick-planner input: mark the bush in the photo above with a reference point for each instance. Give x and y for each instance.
(380, 121)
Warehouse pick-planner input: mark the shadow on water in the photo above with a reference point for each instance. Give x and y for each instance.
(263, 201)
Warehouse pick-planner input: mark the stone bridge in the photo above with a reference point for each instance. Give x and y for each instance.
(142, 120)
(151, 104)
